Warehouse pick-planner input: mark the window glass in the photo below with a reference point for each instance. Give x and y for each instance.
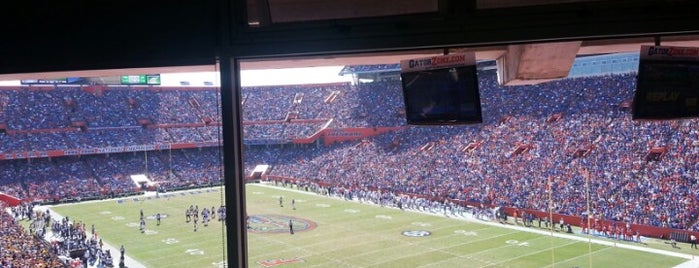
(112, 170)
(556, 174)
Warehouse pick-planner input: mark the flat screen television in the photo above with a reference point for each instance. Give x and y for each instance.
(667, 85)
(441, 90)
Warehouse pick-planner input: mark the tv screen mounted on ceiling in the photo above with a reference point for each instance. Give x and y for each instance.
(441, 90)
(667, 86)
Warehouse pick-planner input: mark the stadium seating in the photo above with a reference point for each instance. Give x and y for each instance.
(18, 248)
(556, 134)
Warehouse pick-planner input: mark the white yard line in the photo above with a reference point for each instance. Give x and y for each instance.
(532, 253)
(588, 254)
(693, 259)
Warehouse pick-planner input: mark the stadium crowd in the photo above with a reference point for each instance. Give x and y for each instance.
(97, 176)
(437, 162)
(72, 117)
(562, 139)
(19, 249)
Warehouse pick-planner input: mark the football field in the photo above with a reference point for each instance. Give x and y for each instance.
(329, 232)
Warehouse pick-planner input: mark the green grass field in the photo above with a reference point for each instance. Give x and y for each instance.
(172, 244)
(339, 234)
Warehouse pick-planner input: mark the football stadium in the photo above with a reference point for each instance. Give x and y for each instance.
(128, 173)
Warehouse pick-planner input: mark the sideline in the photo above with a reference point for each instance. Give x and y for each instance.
(128, 261)
(691, 263)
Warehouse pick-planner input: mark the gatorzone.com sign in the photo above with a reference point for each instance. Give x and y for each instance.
(437, 62)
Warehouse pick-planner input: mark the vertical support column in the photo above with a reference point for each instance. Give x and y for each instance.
(232, 18)
(236, 232)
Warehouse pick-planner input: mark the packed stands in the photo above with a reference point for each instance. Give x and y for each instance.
(80, 178)
(557, 134)
(19, 248)
(530, 135)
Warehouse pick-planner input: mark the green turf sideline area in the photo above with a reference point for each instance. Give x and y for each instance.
(172, 244)
(351, 234)
(128, 261)
(330, 232)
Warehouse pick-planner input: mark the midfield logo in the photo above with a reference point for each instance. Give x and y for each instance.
(271, 223)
